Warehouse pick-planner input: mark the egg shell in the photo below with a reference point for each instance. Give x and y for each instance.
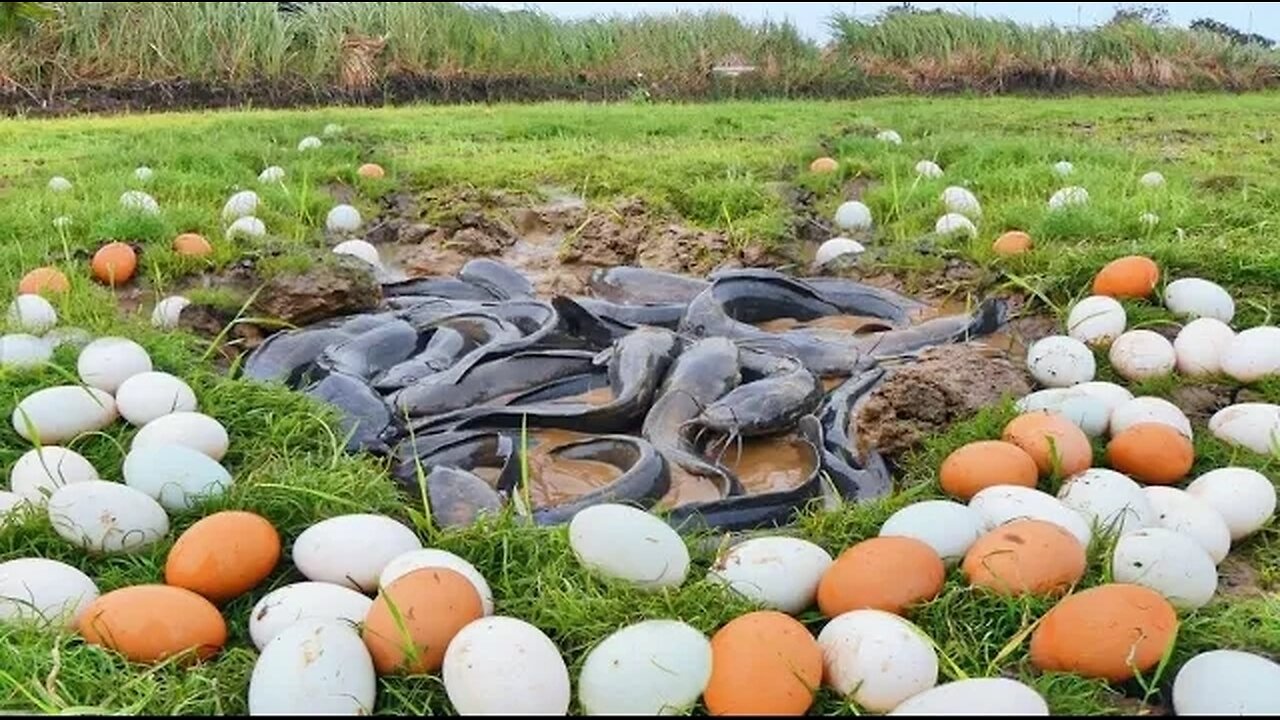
(175, 475)
(890, 137)
(1053, 442)
(149, 623)
(1097, 320)
(1133, 277)
(1085, 411)
(853, 215)
(505, 666)
(976, 696)
(955, 224)
(371, 171)
(1255, 426)
(320, 601)
(1026, 557)
(928, 169)
(763, 663)
(877, 659)
(73, 337)
(1151, 180)
(837, 248)
(106, 517)
(352, 550)
(415, 618)
(1150, 410)
(1109, 501)
(1253, 355)
(359, 249)
(855, 581)
(1182, 512)
(627, 544)
(657, 667)
(58, 414)
(107, 362)
(1142, 355)
(1060, 362)
(1200, 345)
(984, 464)
(44, 281)
(240, 205)
(823, 165)
(780, 573)
(189, 429)
(342, 219)
(947, 527)
(137, 201)
(1062, 168)
(144, 174)
(1152, 453)
(310, 142)
(1244, 498)
(1170, 563)
(41, 471)
(1227, 682)
(150, 395)
(271, 174)
(1006, 503)
(961, 201)
(223, 555)
(1068, 197)
(1014, 242)
(58, 184)
(23, 352)
(250, 228)
(318, 667)
(192, 245)
(1105, 632)
(431, 558)
(1198, 298)
(168, 311)
(32, 314)
(43, 591)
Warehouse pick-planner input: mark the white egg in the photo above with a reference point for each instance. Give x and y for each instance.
(177, 476)
(32, 313)
(190, 429)
(342, 219)
(310, 142)
(853, 215)
(1182, 512)
(837, 249)
(23, 352)
(1152, 180)
(976, 696)
(1149, 410)
(107, 362)
(1069, 197)
(1168, 562)
(285, 606)
(889, 137)
(1062, 168)
(1110, 501)
(1244, 498)
(106, 517)
(1109, 394)
(57, 414)
(1142, 355)
(271, 174)
(1097, 320)
(74, 337)
(1084, 410)
(877, 659)
(242, 204)
(144, 174)
(1253, 355)
(10, 505)
(955, 224)
(150, 395)
(627, 544)
(1254, 426)
(431, 558)
(959, 200)
(41, 471)
(1199, 346)
(1000, 504)
(332, 129)
(928, 169)
(947, 527)
(1227, 682)
(657, 667)
(44, 592)
(62, 222)
(359, 249)
(780, 573)
(139, 202)
(168, 311)
(58, 184)
(505, 666)
(314, 667)
(1060, 362)
(1149, 219)
(352, 550)
(1196, 298)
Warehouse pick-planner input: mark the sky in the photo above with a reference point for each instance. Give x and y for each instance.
(810, 17)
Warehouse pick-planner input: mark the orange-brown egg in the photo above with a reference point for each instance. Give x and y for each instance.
(1014, 242)
(192, 245)
(883, 573)
(371, 171)
(980, 465)
(43, 281)
(763, 663)
(1106, 632)
(115, 263)
(1053, 442)
(224, 555)
(1153, 453)
(823, 165)
(432, 605)
(148, 623)
(1025, 557)
(1130, 277)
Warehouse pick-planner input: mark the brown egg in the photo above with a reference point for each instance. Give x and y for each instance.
(823, 165)
(1153, 453)
(1106, 632)
(1047, 437)
(1014, 242)
(224, 555)
(115, 263)
(763, 663)
(148, 623)
(433, 604)
(1025, 557)
(192, 245)
(884, 573)
(43, 281)
(980, 465)
(1131, 277)
(371, 171)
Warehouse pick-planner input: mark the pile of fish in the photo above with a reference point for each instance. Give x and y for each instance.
(728, 401)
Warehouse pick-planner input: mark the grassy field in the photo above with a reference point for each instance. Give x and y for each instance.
(713, 166)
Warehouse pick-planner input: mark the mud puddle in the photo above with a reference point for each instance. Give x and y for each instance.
(555, 480)
(769, 465)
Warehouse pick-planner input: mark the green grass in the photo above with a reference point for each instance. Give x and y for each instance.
(710, 166)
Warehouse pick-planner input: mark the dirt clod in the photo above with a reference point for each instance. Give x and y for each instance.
(339, 287)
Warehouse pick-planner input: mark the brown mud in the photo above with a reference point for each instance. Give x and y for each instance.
(555, 480)
(771, 464)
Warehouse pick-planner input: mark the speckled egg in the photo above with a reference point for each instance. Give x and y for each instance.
(989, 697)
(58, 414)
(318, 667)
(1142, 355)
(947, 527)
(877, 659)
(1111, 502)
(657, 667)
(1056, 444)
(1060, 362)
(1244, 498)
(505, 666)
(1170, 563)
(149, 623)
(1152, 453)
(1026, 557)
(860, 578)
(287, 605)
(175, 475)
(224, 555)
(32, 314)
(1106, 632)
(780, 573)
(414, 618)
(1200, 345)
(1197, 298)
(189, 429)
(1133, 277)
(42, 591)
(41, 471)
(1005, 503)
(352, 550)
(984, 464)
(150, 395)
(1227, 682)
(107, 362)
(763, 663)
(1182, 512)
(106, 517)
(1149, 410)
(1097, 320)
(623, 543)
(24, 352)
(1253, 355)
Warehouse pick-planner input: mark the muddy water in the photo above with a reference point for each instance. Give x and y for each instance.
(554, 480)
(689, 488)
(837, 323)
(771, 464)
(831, 383)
